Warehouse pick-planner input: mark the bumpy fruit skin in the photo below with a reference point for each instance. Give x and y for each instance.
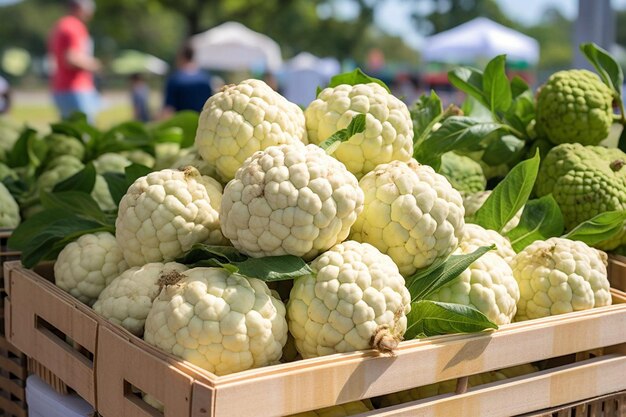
(242, 119)
(342, 410)
(475, 236)
(411, 214)
(574, 106)
(585, 181)
(102, 195)
(127, 300)
(9, 210)
(558, 276)
(5, 171)
(290, 200)
(465, 174)
(219, 321)
(138, 156)
(164, 213)
(352, 291)
(59, 145)
(388, 134)
(190, 157)
(111, 162)
(488, 285)
(84, 267)
(58, 169)
(472, 202)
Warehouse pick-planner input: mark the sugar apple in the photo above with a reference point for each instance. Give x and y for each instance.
(585, 181)
(111, 162)
(474, 236)
(558, 276)
(84, 267)
(164, 213)
(290, 200)
(9, 210)
(487, 285)
(57, 170)
(9, 133)
(342, 410)
(138, 156)
(5, 172)
(190, 157)
(127, 300)
(59, 145)
(472, 202)
(219, 321)
(411, 214)
(166, 154)
(388, 134)
(242, 119)
(354, 299)
(102, 194)
(465, 174)
(574, 106)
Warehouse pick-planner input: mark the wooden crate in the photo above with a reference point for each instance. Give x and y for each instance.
(612, 405)
(617, 271)
(119, 364)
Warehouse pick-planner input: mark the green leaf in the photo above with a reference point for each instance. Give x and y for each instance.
(273, 268)
(117, 185)
(25, 232)
(357, 125)
(135, 171)
(502, 150)
(622, 140)
(470, 81)
(455, 133)
(83, 181)
(496, 87)
(434, 318)
(201, 252)
(602, 227)
(610, 71)
(431, 279)
(541, 220)
(425, 113)
(509, 195)
(79, 203)
(185, 124)
(19, 155)
(355, 77)
(519, 87)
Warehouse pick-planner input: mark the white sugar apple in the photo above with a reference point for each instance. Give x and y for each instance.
(111, 162)
(558, 276)
(487, 285)
(472, 202)
(9, 210)
(242, 119)
(411, 214)
(57, 170)
(585, 181)
(190, 157)
(102, 195)
(138, 156)
(164, 213)
(388, 134)
(475, 236)
(290, 199)
(87, 265)
(127, 300)
(355, 299)
(219, 321)
(574, 106)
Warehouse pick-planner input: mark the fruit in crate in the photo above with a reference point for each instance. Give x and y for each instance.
(219, 321)
(9, 210)
(388, 133)
(559, 276)
(165, 212)
(242, 119)
(354, 299)
(411, 213)
(290, 200)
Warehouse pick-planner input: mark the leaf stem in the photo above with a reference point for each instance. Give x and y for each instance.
(513, 131)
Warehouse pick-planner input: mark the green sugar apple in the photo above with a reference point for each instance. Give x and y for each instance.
(59, 169)
(585, 181)
(574, 106)
(9, 210)
(59, 145)
(465, 174)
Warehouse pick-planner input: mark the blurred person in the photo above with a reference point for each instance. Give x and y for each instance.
(71, 48)
(140, 96)
(188, 87)
(5, 95)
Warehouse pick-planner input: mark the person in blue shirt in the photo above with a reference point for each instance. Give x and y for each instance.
(188, 87)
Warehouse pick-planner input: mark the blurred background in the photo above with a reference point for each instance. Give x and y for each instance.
(296, 45)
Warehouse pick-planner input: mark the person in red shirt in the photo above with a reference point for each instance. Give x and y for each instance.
(71, 49)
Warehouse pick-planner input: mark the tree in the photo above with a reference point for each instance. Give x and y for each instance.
(434, 16)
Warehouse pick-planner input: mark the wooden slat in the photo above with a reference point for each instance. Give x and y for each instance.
(539, 390)
(617, 271)
(14, 386)
(33, 297)
(12, 409)
(121, 363)
(6, 346)
(588, 406)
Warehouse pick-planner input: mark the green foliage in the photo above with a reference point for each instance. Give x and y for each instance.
(357, 125)
(541, 220)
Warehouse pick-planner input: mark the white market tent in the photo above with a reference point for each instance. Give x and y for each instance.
(302, 74)
(231, 46)
(479, 39)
